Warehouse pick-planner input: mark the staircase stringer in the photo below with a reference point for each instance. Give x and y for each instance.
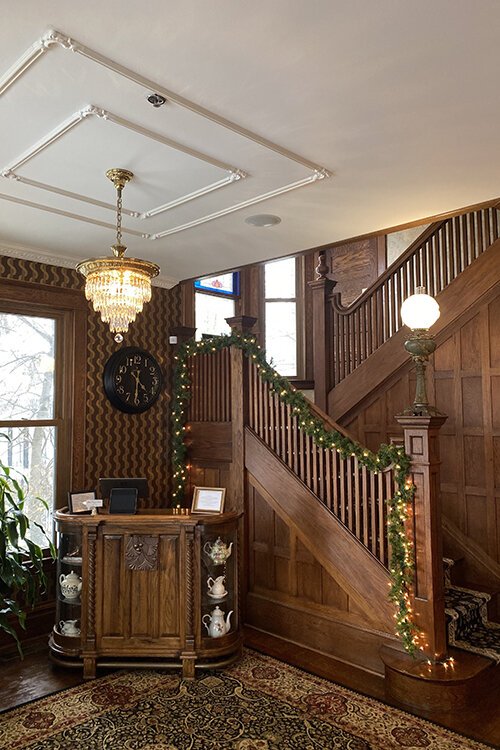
(338, 551)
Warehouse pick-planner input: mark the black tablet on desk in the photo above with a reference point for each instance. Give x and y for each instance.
(123, 500)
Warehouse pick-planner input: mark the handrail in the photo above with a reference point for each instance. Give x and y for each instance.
(346, 309)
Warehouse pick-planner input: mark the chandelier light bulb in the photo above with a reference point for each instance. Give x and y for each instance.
(420, 311)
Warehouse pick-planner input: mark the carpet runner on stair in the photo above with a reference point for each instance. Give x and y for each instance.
(467, 616)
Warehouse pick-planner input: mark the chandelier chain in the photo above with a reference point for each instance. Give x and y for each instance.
(119, 215)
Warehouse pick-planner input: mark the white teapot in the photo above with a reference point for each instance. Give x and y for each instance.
(71, 585)
(218, 552)
(217, 626)
(68, 627)
(216, 587)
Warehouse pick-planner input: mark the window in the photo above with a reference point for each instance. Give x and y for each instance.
(42, 398)
(281, 315)
(214, 302)
(27, 374)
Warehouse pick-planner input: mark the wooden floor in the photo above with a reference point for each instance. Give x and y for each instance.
(35, 676)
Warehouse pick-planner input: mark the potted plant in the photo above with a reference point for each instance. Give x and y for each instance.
(22, 575)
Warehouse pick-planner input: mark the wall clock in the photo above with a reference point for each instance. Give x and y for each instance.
(132, 379)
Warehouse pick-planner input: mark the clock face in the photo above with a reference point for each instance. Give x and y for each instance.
(132, 379)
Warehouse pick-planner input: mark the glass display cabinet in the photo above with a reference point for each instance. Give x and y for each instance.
(65, 637)
(159, 589)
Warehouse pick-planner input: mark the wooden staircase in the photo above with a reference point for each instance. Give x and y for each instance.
(317, 554)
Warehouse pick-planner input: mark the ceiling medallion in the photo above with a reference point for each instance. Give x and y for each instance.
(117, 286)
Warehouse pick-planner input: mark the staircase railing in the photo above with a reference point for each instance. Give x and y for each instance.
(356, 496)
(346, 336)
(242, 391)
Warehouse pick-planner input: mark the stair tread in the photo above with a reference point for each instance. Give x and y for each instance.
(468, 624)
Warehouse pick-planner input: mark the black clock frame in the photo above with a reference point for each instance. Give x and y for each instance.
(110, 387)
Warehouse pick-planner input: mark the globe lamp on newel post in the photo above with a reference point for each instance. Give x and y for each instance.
(419, 312)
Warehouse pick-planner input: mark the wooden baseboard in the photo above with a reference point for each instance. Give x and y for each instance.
(316, 662)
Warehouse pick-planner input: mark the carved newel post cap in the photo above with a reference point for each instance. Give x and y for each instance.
(241, 323)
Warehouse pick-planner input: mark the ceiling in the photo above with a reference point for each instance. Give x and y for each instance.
(342, 117)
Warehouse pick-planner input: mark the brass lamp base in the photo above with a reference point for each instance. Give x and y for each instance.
(420, 346)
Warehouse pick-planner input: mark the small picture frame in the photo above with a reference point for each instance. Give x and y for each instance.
(208, 500)
(77, 501)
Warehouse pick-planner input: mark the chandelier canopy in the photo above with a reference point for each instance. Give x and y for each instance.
(117, 286)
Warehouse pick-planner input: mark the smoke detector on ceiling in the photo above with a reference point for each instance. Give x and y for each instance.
(157, 100)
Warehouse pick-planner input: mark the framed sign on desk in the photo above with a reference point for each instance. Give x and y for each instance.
(208, 500)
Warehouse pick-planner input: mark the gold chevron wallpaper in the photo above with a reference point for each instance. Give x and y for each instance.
(118, 444)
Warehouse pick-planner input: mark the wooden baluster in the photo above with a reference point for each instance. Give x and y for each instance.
(308, 447)
(386, 312)
(251, 397)
(321, 473)
(284, 432)
(337, 345)
(265, 412)
(329, 454)
(289, 437)
(389, 492)
(350, 504)
(342, 477)
(275, 423)
(480, 229)
(302, 455)
(335, 483)
(364, 493)
(369, 326)
(373, 514)
(314, 467)
(295, 442)
(357, 506)
(494, 224)
(381, 519)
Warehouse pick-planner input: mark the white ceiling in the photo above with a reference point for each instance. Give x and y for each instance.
(340, 116)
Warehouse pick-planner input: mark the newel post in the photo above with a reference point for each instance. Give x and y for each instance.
(421, 442)
(239, 408)
(322, 288)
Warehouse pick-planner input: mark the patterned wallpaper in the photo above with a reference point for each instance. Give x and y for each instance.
(119, 444)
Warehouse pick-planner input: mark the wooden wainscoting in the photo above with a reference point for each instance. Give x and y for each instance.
(464, 383)
(290, 594)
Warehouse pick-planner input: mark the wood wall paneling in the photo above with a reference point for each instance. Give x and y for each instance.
(464, 383)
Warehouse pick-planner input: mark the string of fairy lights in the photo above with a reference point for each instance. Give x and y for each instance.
(398, 507)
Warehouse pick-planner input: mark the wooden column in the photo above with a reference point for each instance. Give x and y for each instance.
(421, 435)
(239, 415)
(322, 289)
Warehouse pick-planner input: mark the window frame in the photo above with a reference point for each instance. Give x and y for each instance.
(235, 296)
(69, 310)
(299, 313)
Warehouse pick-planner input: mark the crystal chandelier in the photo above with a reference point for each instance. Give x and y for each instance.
(117, 286)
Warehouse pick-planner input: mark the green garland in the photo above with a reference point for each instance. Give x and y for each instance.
(402, 561)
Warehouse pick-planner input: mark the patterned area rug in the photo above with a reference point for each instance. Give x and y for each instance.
(258, 704)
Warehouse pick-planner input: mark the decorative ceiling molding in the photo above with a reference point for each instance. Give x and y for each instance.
(69, 215)
(10, 170)
(37, 256)
(238, 206)
(53, 38)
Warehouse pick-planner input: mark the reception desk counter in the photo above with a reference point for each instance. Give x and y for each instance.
(159, 589)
